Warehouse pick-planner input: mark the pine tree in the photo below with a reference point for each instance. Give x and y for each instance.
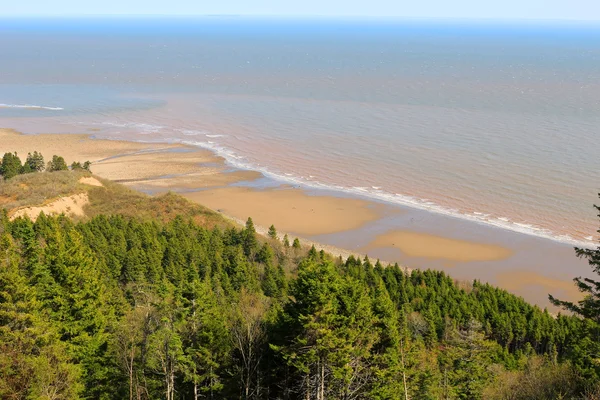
(272, 232)
(57, 164)
(11, 165)
(249, 242)
(33, 362)
(296, 244)
(205, 340)
(35, 162)
(286, 241)
(589, 307)
(166, 357)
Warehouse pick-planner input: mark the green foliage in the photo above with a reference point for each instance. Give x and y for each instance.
(141, 307)
(35, 162)
(272, 232)
(76, 165)
(34, 363)
(286, 241)
(57, 164)
(11, 165)
(588, 308)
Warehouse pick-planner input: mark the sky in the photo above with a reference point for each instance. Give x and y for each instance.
(469, 9)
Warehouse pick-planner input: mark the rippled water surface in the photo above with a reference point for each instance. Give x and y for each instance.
(494, 122)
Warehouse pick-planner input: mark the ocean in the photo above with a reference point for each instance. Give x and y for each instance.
(491, 121)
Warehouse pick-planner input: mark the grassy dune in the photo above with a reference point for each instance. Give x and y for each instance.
(112, 198)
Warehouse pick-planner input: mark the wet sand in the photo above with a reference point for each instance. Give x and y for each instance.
(290, 210)
(528, 266)
(156, 166)
(415, 244)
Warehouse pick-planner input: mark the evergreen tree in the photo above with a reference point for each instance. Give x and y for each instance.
(11, 165)
(35, 162)
(33, 362)
(205, 341)
(57, 164)
(296, 244)
(588, 307)
(272, 232)
(249, 241)
(286, 241)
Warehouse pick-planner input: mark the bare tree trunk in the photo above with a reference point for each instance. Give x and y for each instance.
(172, 379)
(211, 382)
(403, 369)
(321, 381)
(131, 359)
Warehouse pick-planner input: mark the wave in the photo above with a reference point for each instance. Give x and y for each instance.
(377, 193)
(142, 128)
(191, 132)
(31, 107)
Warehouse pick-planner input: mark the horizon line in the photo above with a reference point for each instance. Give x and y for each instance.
(303, 16)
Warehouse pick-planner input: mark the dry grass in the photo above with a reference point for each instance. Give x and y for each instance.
(114, 198)
(41, 188)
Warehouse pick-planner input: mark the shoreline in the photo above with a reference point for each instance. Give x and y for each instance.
(340, 223)
(376, 194)
(152, 168)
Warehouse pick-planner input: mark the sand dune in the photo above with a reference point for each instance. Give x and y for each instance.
(90, 181)
(71, 205)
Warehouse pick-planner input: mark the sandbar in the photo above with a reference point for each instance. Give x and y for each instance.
(131, 163)
(416, 244)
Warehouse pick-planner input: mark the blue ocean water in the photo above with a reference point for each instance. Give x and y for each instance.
(497, 122)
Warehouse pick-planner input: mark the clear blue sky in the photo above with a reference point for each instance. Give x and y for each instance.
(500, 9)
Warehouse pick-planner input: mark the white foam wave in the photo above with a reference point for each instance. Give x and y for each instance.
(141, 128)
(237, 161)
(215, 136)
(31, 107)
(190, 132)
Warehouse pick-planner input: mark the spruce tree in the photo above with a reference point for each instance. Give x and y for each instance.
(286, 241)
(296, 244)
(250, 243)
(272, 232)
(11, 165)
(33, 362)
(588, 308)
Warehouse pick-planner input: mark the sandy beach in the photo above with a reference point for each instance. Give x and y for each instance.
(527, 266)
(291, 210)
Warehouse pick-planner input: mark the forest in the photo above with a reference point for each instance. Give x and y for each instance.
(130, 307)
